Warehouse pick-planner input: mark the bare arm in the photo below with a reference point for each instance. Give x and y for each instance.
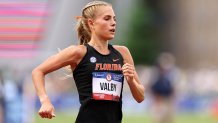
(137, 89)
(69, 56)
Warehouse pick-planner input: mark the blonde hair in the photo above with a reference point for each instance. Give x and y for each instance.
(88, 12)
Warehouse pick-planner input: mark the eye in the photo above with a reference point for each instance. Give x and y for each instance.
(107, 18)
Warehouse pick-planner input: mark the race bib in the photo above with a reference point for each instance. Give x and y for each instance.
(106, 86)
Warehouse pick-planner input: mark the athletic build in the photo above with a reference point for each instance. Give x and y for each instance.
(98, 69)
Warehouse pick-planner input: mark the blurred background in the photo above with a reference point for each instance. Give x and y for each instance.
(173, 43)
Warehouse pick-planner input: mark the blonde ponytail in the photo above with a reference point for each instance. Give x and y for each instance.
(83, 32)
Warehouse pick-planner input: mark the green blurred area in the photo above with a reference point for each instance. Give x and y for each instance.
(136, 118)
(143, 36)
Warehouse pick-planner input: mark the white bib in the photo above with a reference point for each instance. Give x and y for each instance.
(106, 86)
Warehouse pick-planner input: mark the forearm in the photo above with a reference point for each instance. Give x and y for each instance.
(137, 90)
(39, 83)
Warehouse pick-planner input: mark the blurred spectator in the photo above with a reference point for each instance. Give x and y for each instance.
(12, 96)
(162, 88)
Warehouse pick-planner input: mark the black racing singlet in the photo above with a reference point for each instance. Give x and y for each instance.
(99, 81)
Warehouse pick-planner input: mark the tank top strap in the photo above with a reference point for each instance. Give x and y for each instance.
(112, 49)
(88, 47)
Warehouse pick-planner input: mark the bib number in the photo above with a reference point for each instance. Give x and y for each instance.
(106, 86)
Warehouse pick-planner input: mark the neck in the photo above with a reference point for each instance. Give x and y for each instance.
(98, 43)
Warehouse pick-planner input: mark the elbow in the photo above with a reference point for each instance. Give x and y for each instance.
(36, 72)
(142, 95)
(141, 99)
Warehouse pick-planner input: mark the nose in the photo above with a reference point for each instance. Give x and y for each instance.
(113, 23)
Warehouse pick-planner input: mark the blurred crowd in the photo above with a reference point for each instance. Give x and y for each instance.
(17, 96)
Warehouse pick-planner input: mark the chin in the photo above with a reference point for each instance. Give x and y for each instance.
(110, 37)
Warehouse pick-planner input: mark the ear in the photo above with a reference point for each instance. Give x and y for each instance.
(91, 23)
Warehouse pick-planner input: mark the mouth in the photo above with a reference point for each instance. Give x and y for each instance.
(112, 30)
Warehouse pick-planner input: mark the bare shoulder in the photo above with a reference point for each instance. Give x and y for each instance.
(73, 53)
(76, 50)
(122, 49)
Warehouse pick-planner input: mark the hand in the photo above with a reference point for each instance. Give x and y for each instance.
(128, 71)
(47, 110)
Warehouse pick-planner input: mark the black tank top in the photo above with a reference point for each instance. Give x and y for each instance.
(99, 81)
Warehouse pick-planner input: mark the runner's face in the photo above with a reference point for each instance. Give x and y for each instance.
(104, 24)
